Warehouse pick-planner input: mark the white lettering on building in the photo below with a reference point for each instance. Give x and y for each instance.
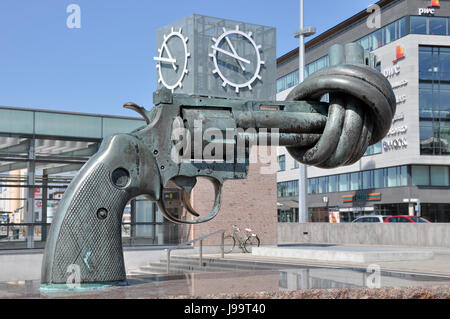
(395, 145)
(392, 71)
(401, 99)
(397, 85)
(398, 130)
(427, 11)
(398, 117)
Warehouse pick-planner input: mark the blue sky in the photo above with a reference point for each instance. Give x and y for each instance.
(109, 60)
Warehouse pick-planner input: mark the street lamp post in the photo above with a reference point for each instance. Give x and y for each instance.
(302, 183)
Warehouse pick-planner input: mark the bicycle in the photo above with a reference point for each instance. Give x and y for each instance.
(245, 242)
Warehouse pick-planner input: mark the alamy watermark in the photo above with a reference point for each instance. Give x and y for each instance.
(374, 19)
(374, 279)
(73, 21)
(74, 279)
(224, 145)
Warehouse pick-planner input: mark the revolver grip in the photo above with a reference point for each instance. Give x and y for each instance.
(86, 232)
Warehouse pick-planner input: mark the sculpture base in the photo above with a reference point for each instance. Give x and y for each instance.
(81, 286)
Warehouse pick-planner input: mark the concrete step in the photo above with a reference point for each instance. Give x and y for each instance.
(344, 254)
(179, 269)
(183, 264)
(194, 262)
(233, 263)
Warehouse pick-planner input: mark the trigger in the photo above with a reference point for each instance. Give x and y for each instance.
(187, 202)
(187, 184)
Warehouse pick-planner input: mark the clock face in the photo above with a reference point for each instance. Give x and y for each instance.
(172, 60)
(237, 59)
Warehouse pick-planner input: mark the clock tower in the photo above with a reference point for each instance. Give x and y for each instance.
(215, 57)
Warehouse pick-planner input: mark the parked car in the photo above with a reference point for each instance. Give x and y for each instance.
(370, 219)
(406, 219)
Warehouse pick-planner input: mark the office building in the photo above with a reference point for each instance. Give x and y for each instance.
(408, 171)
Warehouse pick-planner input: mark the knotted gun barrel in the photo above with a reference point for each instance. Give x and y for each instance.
(84, 241)
(361, 108)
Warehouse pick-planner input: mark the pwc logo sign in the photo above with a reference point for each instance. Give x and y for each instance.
(431, 9)
(395, 69)
(399, 53)
(434, 4)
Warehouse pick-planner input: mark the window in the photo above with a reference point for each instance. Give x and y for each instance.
(287, 81)
(438, 26)
(404, 176)
(426, 65)
(367, 179)
(420, 175)
(281, 163)
(389, 33)
(439, 176)
(430, 175)
(426, 138)
(333, 184)
(296, 164)
(444, 60)
(377, 39)
(378, 178)
(343, 182)
(418, 25)
(444, 134)
(364, 42)
(373, 149)
(444, 101)
(287, 189)
(392, 177)
(426, 101)
(354, 181)
(434, 100)
(322, 185)
(401, 27)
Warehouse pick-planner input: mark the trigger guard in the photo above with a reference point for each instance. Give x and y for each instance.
(211, 215)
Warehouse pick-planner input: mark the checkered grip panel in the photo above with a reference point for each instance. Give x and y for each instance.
(95, 245)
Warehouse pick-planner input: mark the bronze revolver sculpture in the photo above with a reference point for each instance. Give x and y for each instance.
(86, 230)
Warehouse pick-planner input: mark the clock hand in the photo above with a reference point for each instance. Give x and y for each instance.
(164, 60)
(231, 54)
(234, 51)
(170, 56)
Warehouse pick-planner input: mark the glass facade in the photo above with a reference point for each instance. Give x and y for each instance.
(435, 213)
(287, 189)
(378, 178)
(430, 175)
(429, 25)
(374, 149)
(421, 175)
(434, 100)
(287, 81)
(288, 216)
(385, 35)
(40, 153)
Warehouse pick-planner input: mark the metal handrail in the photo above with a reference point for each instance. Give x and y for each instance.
(222, 252)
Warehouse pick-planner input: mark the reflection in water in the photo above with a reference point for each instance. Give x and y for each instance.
(326, 278)
(244, 281)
